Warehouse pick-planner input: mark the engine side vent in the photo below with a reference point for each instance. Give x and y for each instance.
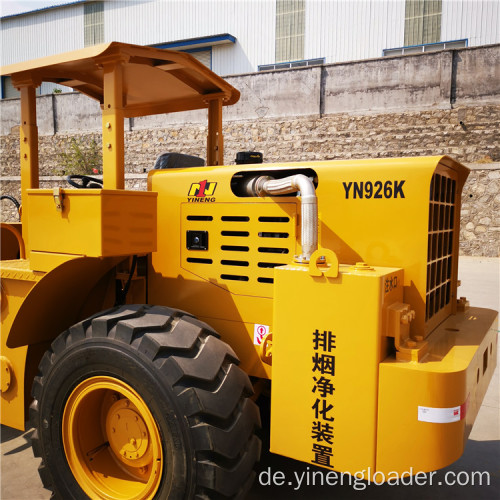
(244, 247)
(440, 244)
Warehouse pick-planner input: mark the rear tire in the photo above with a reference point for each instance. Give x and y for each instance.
(144, 402)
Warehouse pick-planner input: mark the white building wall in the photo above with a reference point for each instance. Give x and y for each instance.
(254, 26)
(476, 20)
(360, 29)
(41, 34)
(338, 30)
(158, 21)
(350, 30)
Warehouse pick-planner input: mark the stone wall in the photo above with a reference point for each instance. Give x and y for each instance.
(480, 223)
(469, 134)
(475, 143)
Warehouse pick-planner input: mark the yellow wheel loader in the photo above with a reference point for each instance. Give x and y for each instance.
(138, 328)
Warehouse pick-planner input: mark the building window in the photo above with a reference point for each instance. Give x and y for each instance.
(293, 64)
(204, 55)
(93, 23)
(8, 90)
(290, 28)
(422, 22)
(429, 47)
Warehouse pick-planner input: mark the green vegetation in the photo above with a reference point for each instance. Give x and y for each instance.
(82, 158)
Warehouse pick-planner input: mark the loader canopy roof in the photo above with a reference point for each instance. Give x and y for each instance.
(154, 80)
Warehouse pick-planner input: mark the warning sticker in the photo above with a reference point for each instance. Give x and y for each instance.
(441, 415)
(259, 332)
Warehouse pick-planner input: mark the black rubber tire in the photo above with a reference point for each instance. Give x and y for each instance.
(190, 380)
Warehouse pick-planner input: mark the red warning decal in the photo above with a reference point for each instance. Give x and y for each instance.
(259, 332)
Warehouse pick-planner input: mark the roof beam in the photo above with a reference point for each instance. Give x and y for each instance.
(186, 104)
(61, 75)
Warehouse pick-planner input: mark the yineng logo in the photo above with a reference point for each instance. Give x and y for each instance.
(202, 191)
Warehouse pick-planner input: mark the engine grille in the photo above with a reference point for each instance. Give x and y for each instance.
(246, 243)
(440, 244)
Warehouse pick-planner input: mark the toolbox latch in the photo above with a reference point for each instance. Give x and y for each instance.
(58, 196)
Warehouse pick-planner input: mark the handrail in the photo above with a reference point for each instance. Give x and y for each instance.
(13, 200)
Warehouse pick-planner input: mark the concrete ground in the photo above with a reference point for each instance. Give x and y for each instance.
(480, 284)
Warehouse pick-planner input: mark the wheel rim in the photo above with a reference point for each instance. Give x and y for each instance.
(111, 441)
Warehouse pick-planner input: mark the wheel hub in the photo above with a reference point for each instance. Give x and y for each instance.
(127, 434)
(111, 441)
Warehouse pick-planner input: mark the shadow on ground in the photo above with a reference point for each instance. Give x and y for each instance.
(473, 477)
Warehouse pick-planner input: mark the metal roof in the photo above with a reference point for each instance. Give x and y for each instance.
(41, 9)
(154, 80)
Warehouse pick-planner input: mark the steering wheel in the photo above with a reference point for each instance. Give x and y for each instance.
(85, 181)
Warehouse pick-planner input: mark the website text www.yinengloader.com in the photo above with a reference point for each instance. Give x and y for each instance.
(315, 477)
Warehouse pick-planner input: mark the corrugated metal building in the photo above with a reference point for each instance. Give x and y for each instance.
(240, 36)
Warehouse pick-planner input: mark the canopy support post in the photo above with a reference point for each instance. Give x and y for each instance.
(215, 140)
(28, 135)
(113, 144)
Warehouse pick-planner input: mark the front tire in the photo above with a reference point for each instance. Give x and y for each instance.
(143, 402)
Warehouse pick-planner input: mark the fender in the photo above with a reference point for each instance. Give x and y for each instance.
(69, 293)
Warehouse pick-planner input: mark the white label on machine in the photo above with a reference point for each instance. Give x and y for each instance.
(439, 415)
(259, 331)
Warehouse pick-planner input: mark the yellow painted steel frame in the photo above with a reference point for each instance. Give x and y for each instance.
(328, 341)
(91, 222)
(382, 212)
(228, 259)
(385, 226)
(12, 241)
(426, 410)
(35, 307)
(113, 148)
(75, 237)
(215, 139)
(29, 148)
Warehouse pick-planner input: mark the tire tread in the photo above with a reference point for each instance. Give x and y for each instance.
(211, 390)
